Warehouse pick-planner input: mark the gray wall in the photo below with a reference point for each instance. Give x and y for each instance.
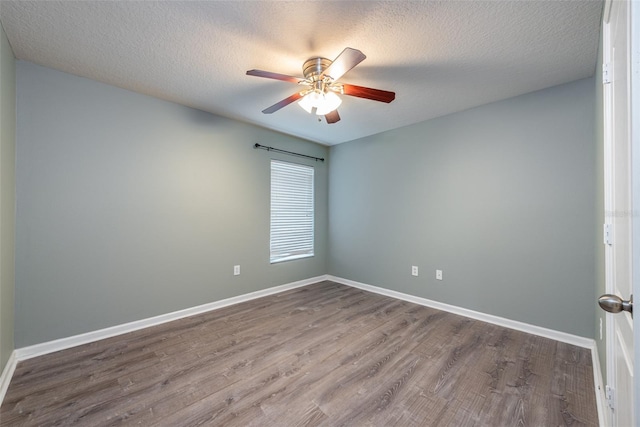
(7, 196)
(130, 207)
(501, 197)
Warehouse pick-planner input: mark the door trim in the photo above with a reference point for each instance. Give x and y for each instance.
(634, 81)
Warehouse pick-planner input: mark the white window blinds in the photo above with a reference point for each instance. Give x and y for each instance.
(291, 211)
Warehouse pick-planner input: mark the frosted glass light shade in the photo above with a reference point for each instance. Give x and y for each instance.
(324, 103)
(330, 103)
(310, 101)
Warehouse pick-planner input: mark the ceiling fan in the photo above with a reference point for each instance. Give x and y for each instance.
(321, 85)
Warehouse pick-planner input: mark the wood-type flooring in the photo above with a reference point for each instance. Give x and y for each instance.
(320, 355)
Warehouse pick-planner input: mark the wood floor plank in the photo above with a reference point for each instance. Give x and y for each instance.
(319, 355)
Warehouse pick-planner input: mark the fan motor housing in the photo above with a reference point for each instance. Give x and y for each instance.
(313, 67)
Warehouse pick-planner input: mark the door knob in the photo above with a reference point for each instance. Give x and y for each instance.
(615, 304)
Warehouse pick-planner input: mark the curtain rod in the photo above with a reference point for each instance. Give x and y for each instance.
(277, 150)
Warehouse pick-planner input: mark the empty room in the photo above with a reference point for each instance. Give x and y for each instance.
(319, 213)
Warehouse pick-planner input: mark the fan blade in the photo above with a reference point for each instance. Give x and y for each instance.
(278, 105)
(332, 117)
(348, 59)
(368, 93)
(276, 76)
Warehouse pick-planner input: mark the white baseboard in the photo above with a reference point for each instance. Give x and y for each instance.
(73, 341)
(76, 340)
(603, 419)
(7, 374)
(489, 318)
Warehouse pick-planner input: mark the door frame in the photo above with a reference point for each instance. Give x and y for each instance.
(634, 135)
(634, 81)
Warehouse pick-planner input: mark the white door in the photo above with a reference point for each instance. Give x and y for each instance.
(621, 186)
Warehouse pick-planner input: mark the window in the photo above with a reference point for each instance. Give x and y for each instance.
(291, 211)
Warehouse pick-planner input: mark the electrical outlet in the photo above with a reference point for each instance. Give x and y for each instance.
(438, 274)
(414, 270)
(236, 270)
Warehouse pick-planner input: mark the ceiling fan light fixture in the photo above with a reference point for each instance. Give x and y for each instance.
(321, 88)
(324, 103)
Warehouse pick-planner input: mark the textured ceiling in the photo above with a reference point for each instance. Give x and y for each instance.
(438, 56)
